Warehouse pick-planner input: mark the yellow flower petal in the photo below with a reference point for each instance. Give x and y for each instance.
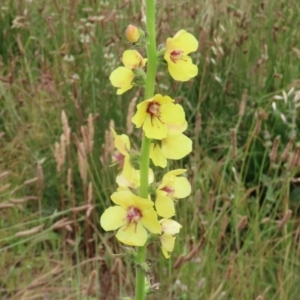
(122, 78)
(176, 129)
(113, 218)
(139, 118)
(176, 172)
(132, 59)
(142, 203)
(185, 41)
(150, 222)
(123, 198)
(176, 146)
(182, 70)
(167, 244)
(165, 253)
(126, 198)
(157, 156)
(150, 176)
(132, 234)
(155, 129)
(121, 142)
(122, 189)
(164, 205)
(163, 99)
(172, 113)
(133, 182)
(182, 187)
(172, 147)
(170, 226)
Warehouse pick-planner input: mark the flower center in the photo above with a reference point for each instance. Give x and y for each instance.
(169, 190)
(153, 109)
(133, 214)
(118, 158)
(176, 55)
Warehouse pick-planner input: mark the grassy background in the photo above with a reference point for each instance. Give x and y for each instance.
(240, 236)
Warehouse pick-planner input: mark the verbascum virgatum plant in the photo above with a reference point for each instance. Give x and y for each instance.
(144, 208)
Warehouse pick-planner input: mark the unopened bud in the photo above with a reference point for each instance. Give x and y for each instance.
(132, 33)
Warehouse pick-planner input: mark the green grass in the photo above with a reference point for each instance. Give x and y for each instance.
(238, 240)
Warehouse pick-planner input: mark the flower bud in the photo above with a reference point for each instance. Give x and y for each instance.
(132, 33)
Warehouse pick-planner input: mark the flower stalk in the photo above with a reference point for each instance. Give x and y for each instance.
(146, 143)
(141, 217)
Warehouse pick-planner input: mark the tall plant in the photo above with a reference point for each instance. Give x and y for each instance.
(144, 207)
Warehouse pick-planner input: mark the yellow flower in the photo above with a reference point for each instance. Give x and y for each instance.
(171, 189)
(132, 59)
(122, 77)
(159, 117)
(180, 65)
(133, 216)
(171, 147)
(129, 176)
(134, 183)
(169, 228)
(132, 33)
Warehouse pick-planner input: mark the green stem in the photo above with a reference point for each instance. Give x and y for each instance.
(145, 149)
(144, 166)
(151, 49)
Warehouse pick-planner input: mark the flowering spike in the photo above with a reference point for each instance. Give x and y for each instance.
(163, 122)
